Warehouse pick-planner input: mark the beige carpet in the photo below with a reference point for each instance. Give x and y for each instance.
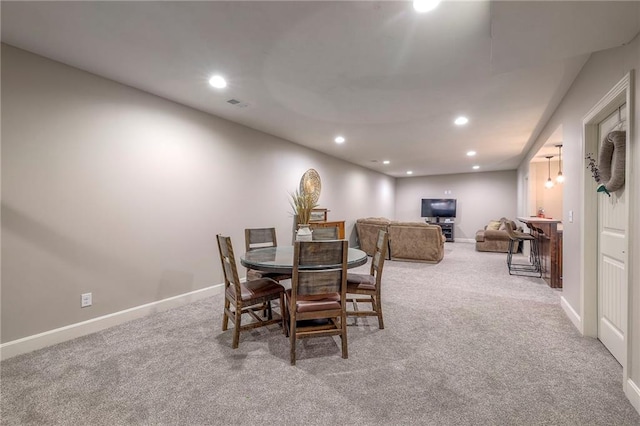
(465, 344)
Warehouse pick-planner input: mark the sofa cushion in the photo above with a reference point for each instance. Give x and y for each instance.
(494, 225)
(495, 235)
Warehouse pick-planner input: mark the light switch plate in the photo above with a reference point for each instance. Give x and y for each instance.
(85, 300)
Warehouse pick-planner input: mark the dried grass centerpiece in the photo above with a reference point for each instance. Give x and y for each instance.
(302, 203)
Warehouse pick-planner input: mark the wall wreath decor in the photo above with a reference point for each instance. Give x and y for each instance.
(612, 159)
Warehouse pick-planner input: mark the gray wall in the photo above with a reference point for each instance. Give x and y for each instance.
(481, 196)
(601, 72)
(110, 190)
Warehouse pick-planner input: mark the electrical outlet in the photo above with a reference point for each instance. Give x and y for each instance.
(571, 216)
(85, 300)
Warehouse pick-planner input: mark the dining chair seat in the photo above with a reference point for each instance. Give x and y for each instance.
(311, 303)
(360, 282)
(255, 289)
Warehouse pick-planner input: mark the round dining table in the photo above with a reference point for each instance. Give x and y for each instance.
(280, 259)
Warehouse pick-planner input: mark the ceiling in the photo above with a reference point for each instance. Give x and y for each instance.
(389, 80)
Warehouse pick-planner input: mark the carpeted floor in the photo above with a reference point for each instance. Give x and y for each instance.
(464, 344)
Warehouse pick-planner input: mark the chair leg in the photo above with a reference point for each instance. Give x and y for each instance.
(292, 340)
(225, 317)
(236, 330)
(509, 254)
(343, 336)
(379, 311)
(283, 312)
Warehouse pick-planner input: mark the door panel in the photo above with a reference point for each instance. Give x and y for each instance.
(612, 274)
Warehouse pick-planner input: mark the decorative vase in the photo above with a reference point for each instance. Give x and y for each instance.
(303, 233)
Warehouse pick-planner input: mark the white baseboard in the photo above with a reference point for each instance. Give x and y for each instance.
(574, 317)
(633, 393)
(465, 240)
(69, 332)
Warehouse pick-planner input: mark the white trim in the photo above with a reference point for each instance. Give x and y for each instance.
(571, 313)
(633, 394)
(619, 94)
(72, 331)
(622, 92)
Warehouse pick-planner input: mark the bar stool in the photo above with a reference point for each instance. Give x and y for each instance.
(538, 234)
(516, 238)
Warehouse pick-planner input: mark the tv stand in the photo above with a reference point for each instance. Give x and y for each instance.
(448, 228)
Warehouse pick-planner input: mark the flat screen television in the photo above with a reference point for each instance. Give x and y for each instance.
(443, 207)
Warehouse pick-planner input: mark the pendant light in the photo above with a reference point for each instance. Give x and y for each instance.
(560, 177)
(549, 182)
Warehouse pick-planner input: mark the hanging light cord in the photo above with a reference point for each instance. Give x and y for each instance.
(560, 177)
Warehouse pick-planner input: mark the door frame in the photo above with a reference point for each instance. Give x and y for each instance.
(619, 94)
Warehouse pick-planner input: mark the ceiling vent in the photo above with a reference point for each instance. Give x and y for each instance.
(237, 103)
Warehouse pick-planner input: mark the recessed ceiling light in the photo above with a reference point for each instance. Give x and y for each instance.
(409, 172)
(461, 121)
(339, 139)
(422, 6)
(218, 82)
(476, 167)
(386, 162)
(471, 153)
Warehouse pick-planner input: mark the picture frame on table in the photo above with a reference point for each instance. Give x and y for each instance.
(318, 215)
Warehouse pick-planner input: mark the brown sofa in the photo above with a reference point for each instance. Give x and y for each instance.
(367, 230)
(409, 241)
(493, 237)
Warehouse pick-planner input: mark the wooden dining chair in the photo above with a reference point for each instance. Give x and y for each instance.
(318, 294)
(256, 238)
(323, 234)
(369, 285)
(248, 297)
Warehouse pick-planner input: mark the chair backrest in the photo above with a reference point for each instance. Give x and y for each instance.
(322, 234)
(228, 261)
(319, 268)
(255, 238)
(377, 262)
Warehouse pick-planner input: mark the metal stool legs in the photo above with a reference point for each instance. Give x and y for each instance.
(533, 267)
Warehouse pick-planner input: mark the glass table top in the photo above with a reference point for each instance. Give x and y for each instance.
(280, 259)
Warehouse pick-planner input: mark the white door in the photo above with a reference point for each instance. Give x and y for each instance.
(612, 274)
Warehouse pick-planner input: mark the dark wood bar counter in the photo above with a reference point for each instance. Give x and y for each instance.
(549, 235)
